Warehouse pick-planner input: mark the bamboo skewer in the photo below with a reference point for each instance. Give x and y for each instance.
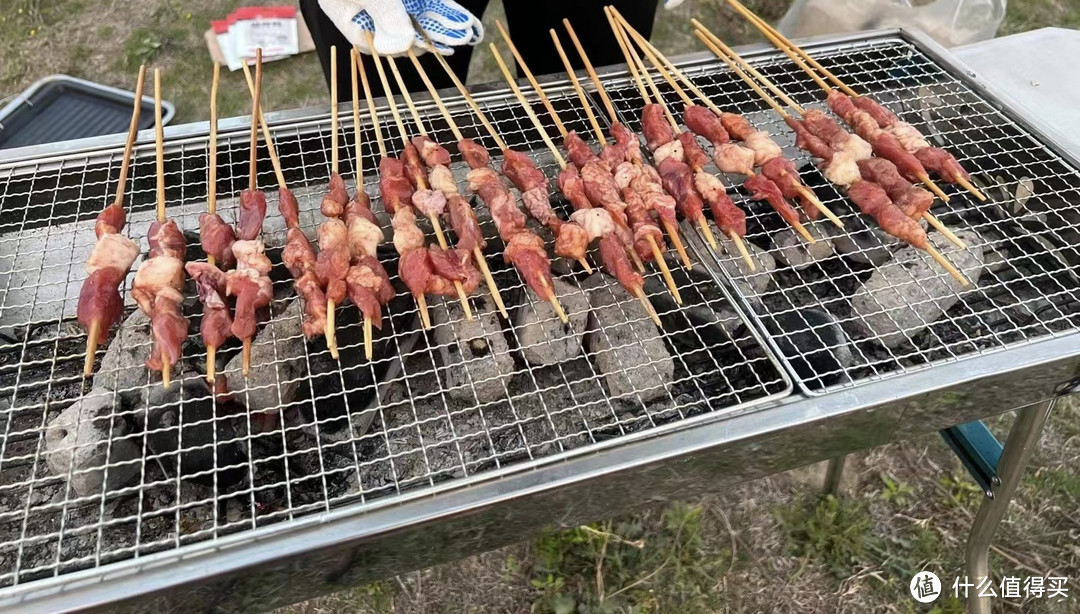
(494, 134)
(256, 105)
(540, 127)
(555, 151)
(354, 59)
(159, 151)
(478, 256)
(536, 86)
(421, 300)
(93, 336)
(331, 309)
(421, 181)
(776, 106)
(657, 254)
(211, 199)
(274, 160)
(733, 60)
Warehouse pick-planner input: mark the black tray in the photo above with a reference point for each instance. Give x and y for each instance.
(60, 108)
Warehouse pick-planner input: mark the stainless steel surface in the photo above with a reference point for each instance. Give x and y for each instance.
(1029, 224)
(1023, 438)
(332, 539)
(422, 434)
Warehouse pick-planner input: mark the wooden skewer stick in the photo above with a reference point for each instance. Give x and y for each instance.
(670, 228)
(554, 150)
(330, 330)
(372, 110)
(211, 197)
(274, 160)
(724, 52)
(159, 149)
(536, 86)
(354, 59)
(421, 182)
(657, 254)
(93, 336)
(703, 35)
(478, 256)
(256, 105)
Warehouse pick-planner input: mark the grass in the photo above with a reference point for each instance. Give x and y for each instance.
(770, 545)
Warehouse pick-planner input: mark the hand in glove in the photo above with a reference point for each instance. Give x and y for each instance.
(445, 22)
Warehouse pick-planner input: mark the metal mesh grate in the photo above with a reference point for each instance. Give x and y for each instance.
(429, 413)
(863, 309)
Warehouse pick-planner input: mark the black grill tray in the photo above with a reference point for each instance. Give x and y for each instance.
(60, 108)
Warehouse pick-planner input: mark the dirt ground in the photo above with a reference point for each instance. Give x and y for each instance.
(772, 545)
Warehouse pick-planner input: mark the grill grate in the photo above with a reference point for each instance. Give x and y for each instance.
(194, 467)
(1022, 241)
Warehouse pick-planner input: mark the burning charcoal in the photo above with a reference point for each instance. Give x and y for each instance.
(625, 345)
(123, 368)
(543, 338)
(277, 363)
(78, 446)
(183, 417)
(908, 293)
(793, 250)
(863, 242)
(474, 354)
(814, 343)
(750, 283)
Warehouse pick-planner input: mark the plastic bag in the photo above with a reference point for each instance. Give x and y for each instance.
(950, 22)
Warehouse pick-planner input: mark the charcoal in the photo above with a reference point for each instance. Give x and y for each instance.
(912, 291)
(814, 344)
(86, 437)
(474, 353)
(123, 368)
(862, 241)
(543, 338)
(750, 283)
(625, 344)
(183, 416)
(277, 363)
(792, 249)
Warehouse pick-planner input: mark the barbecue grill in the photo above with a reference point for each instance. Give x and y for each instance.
(455, 442)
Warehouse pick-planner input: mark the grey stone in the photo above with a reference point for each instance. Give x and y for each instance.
(474, 353)
(624, 343)
(793, 250)
(123, 368)
(277, 363)
(544, 339)
(911, 291)
(85, 438)
(750, 283)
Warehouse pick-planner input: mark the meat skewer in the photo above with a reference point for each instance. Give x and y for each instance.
(933, 158)
(159, 282)
(368, 284)
(461, 216)
(870, 197)
(426, 200)
(332, 262)
(641, 222)
(815, 120)
(216, 237)
(612, 253)
(100, 304)
(729, 218)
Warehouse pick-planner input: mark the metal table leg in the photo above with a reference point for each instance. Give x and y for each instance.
(833, 474)
(1014, 459)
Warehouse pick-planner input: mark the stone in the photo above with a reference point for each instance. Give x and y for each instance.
(625, 345)
(474, 354)
(183, 430)
(911, 291)
(543, 338)
(85, 438)
(792, 249)
(277, 363)
(123, 368)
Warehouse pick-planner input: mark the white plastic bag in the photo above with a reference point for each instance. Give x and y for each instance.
(950, 22)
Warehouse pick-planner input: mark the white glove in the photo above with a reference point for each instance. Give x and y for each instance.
(670, 4)
(445, 22)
